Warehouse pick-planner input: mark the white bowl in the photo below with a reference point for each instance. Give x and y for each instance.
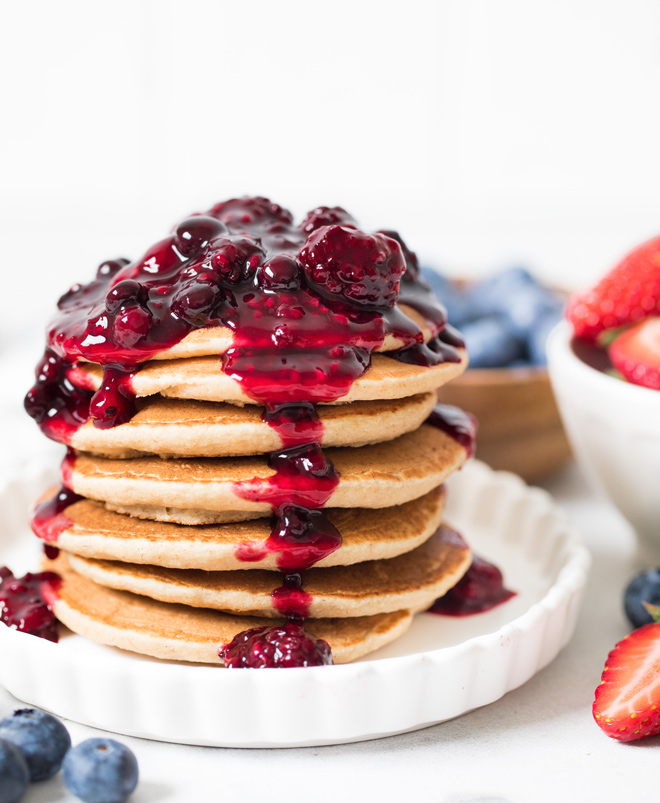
(614, 428)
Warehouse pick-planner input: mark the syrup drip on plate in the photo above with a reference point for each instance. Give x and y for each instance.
(479, 590)
(26, 602)
(305, 307)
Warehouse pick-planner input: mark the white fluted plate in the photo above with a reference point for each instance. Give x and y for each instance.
(442, 668)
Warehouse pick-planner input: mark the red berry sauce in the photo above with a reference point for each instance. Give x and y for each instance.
(480, 589)
(275, 647)
(456, 423)
(49, 519)
(306, 304)
(26, 602)
(290, 599)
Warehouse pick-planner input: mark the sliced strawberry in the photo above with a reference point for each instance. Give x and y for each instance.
(627, 704)
(627, 294)
(636, 353)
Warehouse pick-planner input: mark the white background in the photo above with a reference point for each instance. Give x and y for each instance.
(484, 130)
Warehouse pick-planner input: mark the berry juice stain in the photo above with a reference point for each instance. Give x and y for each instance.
(306, 304)
(26, 602)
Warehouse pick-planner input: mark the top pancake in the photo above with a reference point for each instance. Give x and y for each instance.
(214, 340)
(203, 379)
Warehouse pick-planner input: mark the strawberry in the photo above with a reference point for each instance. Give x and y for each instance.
(627, 704)
(636, 353)
(628, 293)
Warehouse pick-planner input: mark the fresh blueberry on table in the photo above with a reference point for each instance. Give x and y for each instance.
(42, 739)
(644, 587)
(490, 343)
(100, 771)
(14, 773)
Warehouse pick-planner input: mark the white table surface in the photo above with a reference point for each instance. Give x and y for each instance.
(538, 743)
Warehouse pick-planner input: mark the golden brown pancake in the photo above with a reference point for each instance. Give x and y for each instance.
(380, 475)
(175, 428)
(410, 581)
(182, 633)
(173, 515)
(203, 379)
(367, 534)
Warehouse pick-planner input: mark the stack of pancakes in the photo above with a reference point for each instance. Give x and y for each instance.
(162, 555)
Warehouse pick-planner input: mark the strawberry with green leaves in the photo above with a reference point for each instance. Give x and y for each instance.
(627, 704)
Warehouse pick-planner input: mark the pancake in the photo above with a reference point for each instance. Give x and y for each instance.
(410, 581)
(173, 515)
(174, 428)
(181, 633)
(203, 379)
(214, 340)
(95, 532)
(380, 475)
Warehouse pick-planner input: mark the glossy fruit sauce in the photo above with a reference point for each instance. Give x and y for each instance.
(305, 305)
(25, 602)
(480, 589)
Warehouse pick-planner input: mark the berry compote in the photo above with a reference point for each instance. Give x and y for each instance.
(278, 646)
(480, 589)
(306, 306)
(26, 602)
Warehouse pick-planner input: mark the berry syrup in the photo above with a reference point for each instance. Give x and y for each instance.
(26, 602)
(273, 647)
(49, 519)
(306, 305)
(480, 589)
(456, 423)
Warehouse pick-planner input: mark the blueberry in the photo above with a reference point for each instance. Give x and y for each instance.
(126, 293)
(530, 305)
(279, 274)
(494, 294)
(194, 233)
(107, 270)
(538, 336)
(490, 343)
(14, 773)
(447, 292)
(41, 738)
(197, 301)
(644, 587)
(100, 771)
(515, 295)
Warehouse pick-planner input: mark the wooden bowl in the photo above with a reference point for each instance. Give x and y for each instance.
(519, 425)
